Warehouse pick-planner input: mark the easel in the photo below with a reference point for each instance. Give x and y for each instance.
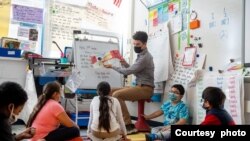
(89, 35)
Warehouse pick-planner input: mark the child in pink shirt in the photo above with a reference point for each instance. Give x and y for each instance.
(50, 119)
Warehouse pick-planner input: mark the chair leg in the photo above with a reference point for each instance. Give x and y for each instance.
(141, 124)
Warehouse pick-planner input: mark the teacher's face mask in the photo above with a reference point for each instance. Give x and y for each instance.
(137, 49)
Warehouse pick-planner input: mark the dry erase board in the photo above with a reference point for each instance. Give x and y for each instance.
(91, 75)
(221, 31)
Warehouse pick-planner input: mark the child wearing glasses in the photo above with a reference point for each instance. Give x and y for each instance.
(175, 112)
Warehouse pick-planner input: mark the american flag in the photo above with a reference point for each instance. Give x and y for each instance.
(117, 3)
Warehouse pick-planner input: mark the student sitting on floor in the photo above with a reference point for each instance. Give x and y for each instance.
(175, 112)
(50, 119)
(105, 121)
(12, 100)
(213, 102)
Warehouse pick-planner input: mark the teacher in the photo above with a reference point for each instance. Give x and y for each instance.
(143, 69)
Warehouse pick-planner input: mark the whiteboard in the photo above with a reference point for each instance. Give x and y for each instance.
(83, 50)
(13, 69)
(220, 31)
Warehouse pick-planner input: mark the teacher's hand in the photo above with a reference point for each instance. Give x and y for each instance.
(108, 66)
(123, 62)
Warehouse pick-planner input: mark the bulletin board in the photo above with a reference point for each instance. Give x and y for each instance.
(62, 19)
(23, 20)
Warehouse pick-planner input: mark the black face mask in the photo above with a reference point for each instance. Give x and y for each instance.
(137, 49)
(205, 108)
(222, 106)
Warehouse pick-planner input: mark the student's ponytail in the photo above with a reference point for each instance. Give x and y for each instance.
(103, 89)
(49, 89)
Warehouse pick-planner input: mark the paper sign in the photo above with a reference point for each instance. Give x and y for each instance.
(4, 17)
(230, 83)
(27, 14)
(74, 80)
(183, 75)
(23, 32)
(189, 56)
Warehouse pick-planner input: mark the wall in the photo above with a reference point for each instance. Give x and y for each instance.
(220, 31)
(220, 34)
(247, 33)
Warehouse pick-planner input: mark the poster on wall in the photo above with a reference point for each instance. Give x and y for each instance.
(67, 16)
(184, 75)
(189, 56)
(64, 18)
(159, 47)
(96, 17)
(4, 17)
(26, 24)
(27, 14)
(231, 84)
(176, 24)
(31, 3)
(158, 17)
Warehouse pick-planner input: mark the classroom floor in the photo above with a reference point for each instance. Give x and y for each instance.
(134, 137)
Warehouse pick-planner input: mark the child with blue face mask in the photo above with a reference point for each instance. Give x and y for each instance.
(175, 112)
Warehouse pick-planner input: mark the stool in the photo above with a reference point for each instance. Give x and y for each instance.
(141, 124)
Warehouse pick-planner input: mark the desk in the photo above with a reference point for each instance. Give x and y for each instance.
(49, 69)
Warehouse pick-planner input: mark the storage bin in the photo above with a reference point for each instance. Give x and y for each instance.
(6, 52)
(156, 97)
(83, 118)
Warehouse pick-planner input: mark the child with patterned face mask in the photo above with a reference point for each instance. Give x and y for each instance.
(175, 113)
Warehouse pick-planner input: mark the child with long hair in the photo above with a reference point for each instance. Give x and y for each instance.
(50, 119)
(106, 121)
